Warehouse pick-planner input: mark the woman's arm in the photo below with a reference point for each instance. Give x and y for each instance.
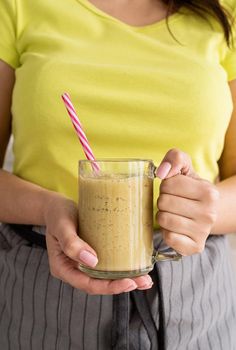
(226, 218)
(21, 201)
(191, 208)
(27, 203)
(7, 79)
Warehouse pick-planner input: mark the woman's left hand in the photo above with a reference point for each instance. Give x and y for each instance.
(187, 205)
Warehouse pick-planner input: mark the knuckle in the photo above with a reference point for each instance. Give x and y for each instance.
(211, 217)
(167, 185)
(179, 158)
(174, 151)
(68, 247)
(178, 155)
(170, 240)
(211, 193)
(162, 202)
(114, 289)
(162, 219)
(163, 186)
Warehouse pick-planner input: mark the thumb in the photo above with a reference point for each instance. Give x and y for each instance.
(75, 248)
(175, 162)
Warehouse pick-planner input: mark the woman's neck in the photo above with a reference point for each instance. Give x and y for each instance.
(133, 12)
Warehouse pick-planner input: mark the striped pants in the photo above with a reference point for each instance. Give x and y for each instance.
(40, 312)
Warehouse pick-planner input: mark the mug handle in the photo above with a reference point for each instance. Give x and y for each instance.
(167, 254)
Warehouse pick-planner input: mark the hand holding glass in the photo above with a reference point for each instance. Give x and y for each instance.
(116, 217)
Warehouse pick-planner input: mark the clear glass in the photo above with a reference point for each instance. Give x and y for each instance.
(116, 216)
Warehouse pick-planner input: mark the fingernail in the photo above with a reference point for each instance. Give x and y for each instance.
(88, 258)
(145, 279)
(131, 287)
(163, 170)
(146, 286)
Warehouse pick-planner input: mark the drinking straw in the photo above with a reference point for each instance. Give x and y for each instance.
(79, 130)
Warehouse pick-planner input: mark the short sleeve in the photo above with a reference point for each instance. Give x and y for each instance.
(8, 51)
(229, 54)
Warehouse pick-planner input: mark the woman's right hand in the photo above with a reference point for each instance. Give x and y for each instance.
(66, 249)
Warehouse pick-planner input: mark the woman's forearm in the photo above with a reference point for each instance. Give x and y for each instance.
(226, 219)
(22, 202)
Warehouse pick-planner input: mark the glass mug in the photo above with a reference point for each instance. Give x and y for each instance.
(116, 217)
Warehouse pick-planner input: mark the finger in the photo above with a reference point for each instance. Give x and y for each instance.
(74, 247)
(186, 187)
(188, 208)
(135, 282)
(175, 162)
(81, 281)
(181, 225)
(119, 285)
(99, 286)
(182, 244)
(179, 206)
(65, 269)
(143, 281)
(146, 286)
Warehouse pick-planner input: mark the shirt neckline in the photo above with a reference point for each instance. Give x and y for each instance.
(104, 14)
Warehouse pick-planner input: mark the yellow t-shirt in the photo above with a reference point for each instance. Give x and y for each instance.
(138, 92)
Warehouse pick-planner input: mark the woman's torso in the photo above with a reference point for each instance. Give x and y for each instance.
(137, 90)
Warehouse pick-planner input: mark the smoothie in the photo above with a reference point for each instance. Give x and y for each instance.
(116, 219)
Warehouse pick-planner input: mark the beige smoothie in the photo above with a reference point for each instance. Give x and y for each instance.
(116, 219)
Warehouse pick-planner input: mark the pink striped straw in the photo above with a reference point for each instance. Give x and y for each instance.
(79, 130)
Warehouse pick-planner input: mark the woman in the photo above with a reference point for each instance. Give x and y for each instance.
(141, 88)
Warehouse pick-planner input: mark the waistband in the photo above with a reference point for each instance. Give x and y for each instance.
(33, 234)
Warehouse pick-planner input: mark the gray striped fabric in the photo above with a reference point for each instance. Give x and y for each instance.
(39, 312)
